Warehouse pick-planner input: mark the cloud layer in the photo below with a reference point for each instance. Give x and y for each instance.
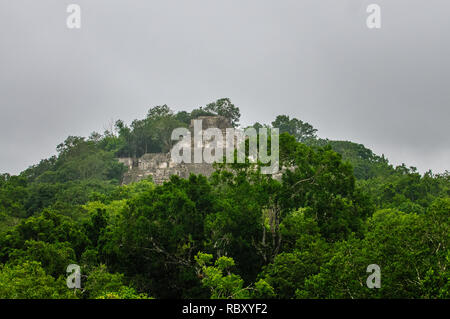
(316, 60)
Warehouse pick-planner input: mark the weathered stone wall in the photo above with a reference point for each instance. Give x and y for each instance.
(219, 122)
(160, 165)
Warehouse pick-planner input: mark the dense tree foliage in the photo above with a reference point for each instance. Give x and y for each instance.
(302, 131)
(237, 234)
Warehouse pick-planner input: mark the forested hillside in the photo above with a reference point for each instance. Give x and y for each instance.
(236, 234)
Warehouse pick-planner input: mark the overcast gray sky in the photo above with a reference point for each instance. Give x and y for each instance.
(316, 60)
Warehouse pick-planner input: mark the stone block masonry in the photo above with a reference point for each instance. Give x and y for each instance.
(160, 166)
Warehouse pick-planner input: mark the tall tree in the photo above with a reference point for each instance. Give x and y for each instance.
(302, 131)
(225, 108)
